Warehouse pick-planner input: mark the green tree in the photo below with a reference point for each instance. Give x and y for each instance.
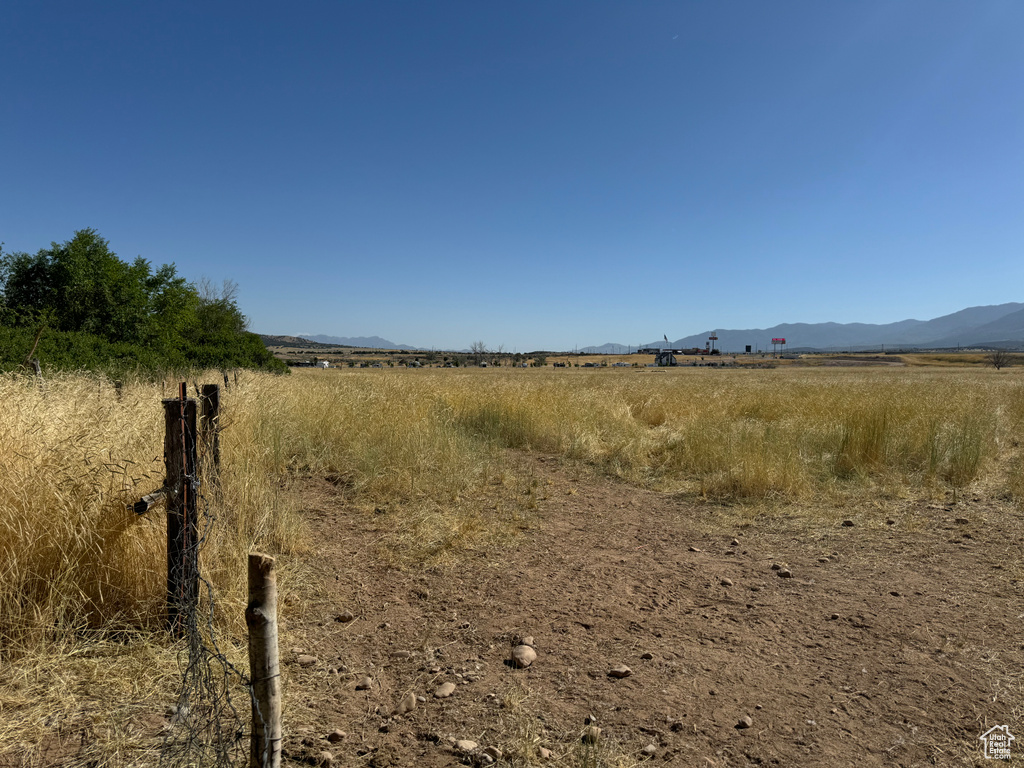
(100, 310)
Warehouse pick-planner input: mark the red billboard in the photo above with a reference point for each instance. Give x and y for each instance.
(779, 341)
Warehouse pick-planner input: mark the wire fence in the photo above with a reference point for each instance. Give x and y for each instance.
(206, 728)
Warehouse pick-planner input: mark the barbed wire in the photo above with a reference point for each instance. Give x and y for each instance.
(206, 729)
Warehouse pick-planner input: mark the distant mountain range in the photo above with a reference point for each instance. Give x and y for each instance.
(992, 326)
(371, 342)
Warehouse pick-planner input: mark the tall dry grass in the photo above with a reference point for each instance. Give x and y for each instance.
(435, 442)
(446, 453)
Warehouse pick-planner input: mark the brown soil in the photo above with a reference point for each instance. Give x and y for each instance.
(895, 642)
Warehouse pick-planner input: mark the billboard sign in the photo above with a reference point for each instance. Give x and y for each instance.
(779, 341)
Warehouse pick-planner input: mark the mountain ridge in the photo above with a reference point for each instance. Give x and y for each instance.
(990, 325)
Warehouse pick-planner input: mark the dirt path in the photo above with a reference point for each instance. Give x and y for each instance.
(893, 643)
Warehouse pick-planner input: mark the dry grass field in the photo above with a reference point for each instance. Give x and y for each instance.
(461, 509)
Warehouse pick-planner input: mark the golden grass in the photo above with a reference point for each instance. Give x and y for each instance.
(446, 454)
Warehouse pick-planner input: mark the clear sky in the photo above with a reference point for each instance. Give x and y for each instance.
(530, 174)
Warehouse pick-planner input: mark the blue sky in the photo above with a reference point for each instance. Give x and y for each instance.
(535, 175)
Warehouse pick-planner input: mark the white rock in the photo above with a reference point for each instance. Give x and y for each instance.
(365, 684)
(620, 671)
(465, 745)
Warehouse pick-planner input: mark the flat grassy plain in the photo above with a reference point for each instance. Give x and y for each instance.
(447, 454)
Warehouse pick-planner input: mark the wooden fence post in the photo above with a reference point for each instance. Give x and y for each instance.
(264, 668)
(210, 429)
(182, 519)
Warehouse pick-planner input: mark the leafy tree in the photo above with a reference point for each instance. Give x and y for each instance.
(101, 312)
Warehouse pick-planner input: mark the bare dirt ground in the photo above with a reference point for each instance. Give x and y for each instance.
(895, 642)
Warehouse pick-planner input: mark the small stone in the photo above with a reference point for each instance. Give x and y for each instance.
(483, 758)
(325, 758)
(833, 617)
(544, 753)
(528, 640)
(847, 523)
(407, 704)
(336, 735)
(590, 720)
(365, 684)
(444, 691)
(305, 660)
(493, 752)
(745, 722)
(465, 745)
(726, 582)
(421, 699)
(591, 734)
(647, 656)
(345, 617)
(776, 567)
(785, 573)
(523, 656)
(620, 671)
(694, 549)
(650, 750)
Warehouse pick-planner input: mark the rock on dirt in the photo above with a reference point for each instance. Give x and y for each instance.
(336, 735)
(620, 671)
(745, 722)
(444, 691)
(465, 745)
(305, 660)
(364, 684)
(345, 617)
(407, 704)
(523, 656)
